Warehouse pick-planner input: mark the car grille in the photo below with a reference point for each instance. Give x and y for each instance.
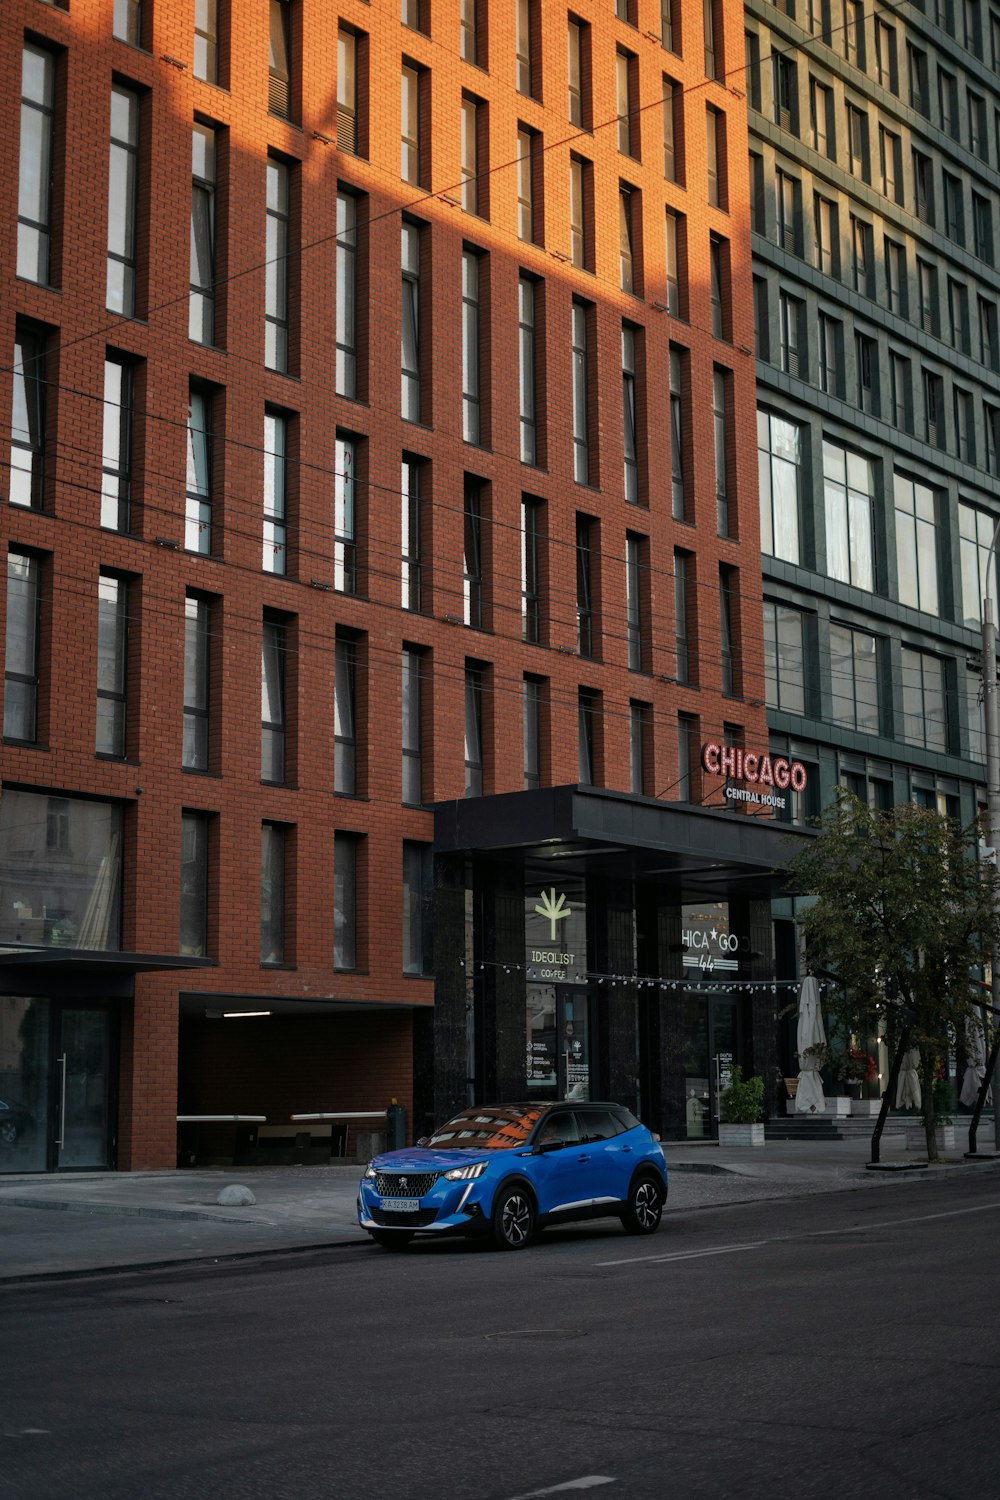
(395, 1220)
(404, 1184)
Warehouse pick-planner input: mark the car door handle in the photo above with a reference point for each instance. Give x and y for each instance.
(584, 1157)
(626, 1148)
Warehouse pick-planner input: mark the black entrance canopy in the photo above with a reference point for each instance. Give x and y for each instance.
(707, 850)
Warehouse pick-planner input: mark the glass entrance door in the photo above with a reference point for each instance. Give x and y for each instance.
(712, 1043)
(56, 1069)
(83, 1048)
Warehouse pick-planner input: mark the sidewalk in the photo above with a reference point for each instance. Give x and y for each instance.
(51, 1226)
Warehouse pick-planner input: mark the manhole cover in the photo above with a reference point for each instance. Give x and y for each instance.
(538, 1333)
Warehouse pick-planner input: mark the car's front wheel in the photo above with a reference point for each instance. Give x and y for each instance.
(644, 1208)
(391, 1239)
(513, 1218)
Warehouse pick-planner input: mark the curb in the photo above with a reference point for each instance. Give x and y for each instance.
(79, 1273)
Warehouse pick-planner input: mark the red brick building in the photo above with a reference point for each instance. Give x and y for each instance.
(382, 536)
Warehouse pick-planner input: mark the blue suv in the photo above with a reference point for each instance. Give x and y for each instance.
(509, 1169)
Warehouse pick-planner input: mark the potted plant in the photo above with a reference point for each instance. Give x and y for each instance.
(742, 1104)
(855, 1067)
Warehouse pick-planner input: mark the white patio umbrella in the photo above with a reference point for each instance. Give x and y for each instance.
(908, 1094)
(975, 1066)
(809, 1096)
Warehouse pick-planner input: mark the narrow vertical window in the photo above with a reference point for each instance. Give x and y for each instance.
(409, 165)
(636, 576)
(198, 507)
(470, 155)
(272, 700)
(126, 22)
(347, 293)
(206, 40)
(629, 427)
(279, 97)
(672, 99)
(344, 517)
(625, 258)
(473, 732)
(272, 893)
(20, 694)
(682, 655)
(197, 649)
(277, 271)
(532, 708)
(275, 545)
(122, 191)
(470, 347)
(722, 487)
(577, 220)
(526, 369)
(584, 586)
(201, 314)
(410, 535)
(194, 885)
(713, 56)
(345, 900)
(673, 264)
(588, 707)
(525, 195)
(678, 510)
(112, 639)
(116, 445)
(779, 463)
(522, 46)
(412, 728)
(472, 556)
(726, 587)
(345, 737)
(715, 248)
(627, 128)
(575, 71)
(581, 418)
(713, 144)
(418, 893)
(640, 723)
(469, 31)
(347, 91)
(410, 355)
(670, 30)
(530, 582)
(34, 195)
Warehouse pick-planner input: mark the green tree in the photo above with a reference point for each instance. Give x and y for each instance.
(902, 911)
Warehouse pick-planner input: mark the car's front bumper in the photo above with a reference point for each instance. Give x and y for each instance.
(448, 1207)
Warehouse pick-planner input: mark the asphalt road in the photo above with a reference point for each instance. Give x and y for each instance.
(841, 1345)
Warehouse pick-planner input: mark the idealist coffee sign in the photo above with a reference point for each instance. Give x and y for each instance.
(735, 764)
(555, 932)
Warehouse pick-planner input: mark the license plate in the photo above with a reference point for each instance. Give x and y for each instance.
(400, 1205)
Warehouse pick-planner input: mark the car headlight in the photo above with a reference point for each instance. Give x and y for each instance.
(466, 1174)
(370, 1170)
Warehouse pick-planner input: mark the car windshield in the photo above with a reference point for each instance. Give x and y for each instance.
(487, 1129)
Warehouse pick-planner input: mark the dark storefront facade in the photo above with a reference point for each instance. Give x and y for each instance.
(590, 944)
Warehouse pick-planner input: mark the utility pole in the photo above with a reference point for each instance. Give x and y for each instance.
(992, 715)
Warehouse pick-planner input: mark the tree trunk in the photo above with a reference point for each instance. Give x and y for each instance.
(927, 1061)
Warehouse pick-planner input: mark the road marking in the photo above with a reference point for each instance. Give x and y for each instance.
(951, 1213)
(585, 1482)
(634, 1260)
(784, 1239)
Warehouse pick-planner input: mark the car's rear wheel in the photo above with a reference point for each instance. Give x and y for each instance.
(391, 1239)
(513, 1218)
(644, 1208)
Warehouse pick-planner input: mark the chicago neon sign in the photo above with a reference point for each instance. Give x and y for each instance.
(736, 764)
